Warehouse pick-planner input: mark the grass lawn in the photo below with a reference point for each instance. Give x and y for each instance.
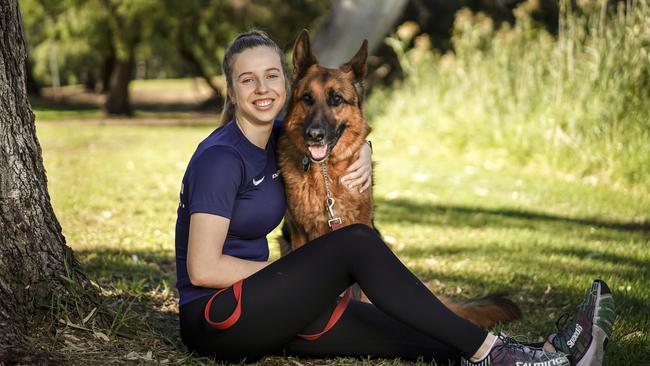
(467, 224)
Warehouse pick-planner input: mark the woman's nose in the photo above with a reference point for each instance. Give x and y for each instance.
(261, 87)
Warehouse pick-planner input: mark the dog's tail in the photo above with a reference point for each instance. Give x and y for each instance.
(486, 311)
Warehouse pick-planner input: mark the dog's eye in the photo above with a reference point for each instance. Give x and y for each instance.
(336, 100)
(307, 99)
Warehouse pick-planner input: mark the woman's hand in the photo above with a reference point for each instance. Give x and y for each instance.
(360, 172)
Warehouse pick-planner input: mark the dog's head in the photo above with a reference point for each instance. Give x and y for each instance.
(325, 117)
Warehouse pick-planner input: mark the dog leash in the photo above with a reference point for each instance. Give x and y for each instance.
(232, 319)
(334, 223)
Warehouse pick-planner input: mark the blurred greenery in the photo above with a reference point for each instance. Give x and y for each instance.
(83, 35)
(576, 105)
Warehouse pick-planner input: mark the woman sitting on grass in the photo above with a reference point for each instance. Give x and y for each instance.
(232, 196)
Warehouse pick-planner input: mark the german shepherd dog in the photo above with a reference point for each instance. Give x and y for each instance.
(324, 128)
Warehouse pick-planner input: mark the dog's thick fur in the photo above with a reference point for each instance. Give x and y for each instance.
(326, 109)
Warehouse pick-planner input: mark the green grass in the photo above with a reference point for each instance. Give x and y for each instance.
(45, 109)
(466, 225)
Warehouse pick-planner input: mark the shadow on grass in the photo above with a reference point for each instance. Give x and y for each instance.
(588, 260)
(403, 210)
(146, 280)
(62, 104)
(92, 103)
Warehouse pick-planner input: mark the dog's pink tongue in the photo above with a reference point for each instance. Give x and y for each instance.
(318, 152)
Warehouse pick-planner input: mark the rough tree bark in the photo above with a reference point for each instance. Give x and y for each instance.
(352, 21)
(32, 249)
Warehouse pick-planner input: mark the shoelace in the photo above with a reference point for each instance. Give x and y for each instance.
(512, 343)
(564, 333)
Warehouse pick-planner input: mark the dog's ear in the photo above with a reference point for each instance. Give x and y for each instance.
(358, 62)
(357, 65)
(303, 58)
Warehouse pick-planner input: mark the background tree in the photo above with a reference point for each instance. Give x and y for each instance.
(130, 22)
(34, 259)
(349, 23)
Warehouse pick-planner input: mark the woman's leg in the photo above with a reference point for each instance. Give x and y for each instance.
(366, 331)
(281, 299)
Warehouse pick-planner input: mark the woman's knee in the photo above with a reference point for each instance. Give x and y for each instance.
(361, 236)
(360, 230)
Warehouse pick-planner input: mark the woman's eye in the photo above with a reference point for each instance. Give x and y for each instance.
(247, 81)
(273, 76)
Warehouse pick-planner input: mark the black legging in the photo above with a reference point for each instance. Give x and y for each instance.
(296, 294)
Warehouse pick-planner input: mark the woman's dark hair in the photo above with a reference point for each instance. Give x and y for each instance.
(251, 39)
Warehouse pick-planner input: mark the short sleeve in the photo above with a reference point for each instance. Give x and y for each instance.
(214, 180)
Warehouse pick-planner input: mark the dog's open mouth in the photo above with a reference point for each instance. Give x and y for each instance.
(319, 152)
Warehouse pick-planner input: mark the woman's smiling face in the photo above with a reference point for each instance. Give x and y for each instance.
(259, 89)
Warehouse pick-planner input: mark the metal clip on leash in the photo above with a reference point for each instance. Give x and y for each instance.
(335, 221)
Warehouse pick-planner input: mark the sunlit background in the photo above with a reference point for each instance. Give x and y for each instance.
(512, 142)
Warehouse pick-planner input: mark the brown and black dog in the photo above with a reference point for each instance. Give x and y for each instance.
(324, 128)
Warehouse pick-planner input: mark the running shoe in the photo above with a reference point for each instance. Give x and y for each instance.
(509, 352)
(584, 336)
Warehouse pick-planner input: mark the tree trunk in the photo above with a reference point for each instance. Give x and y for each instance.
(107, 71)
(90, 81)
(117, 99)
(32, 248)
(217, 98)
(352, 21)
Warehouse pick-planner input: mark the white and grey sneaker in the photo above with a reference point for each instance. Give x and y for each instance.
(509, 352)
(584, 336)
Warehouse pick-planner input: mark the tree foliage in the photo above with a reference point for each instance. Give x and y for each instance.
(173, 38)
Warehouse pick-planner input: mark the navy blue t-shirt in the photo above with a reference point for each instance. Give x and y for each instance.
(231, 177)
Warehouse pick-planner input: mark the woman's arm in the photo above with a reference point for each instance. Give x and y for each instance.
(207, 266)
(360, 172)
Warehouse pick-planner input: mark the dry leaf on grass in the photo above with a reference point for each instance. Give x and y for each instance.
(101, 336)
(137, 356)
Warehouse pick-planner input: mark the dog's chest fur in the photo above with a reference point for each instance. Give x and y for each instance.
(306, 196)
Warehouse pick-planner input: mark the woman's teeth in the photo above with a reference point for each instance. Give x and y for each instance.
(263, 103)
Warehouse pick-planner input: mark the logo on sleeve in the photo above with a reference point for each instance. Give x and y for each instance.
(257, 182)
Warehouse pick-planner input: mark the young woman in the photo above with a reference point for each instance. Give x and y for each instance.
(235, 305)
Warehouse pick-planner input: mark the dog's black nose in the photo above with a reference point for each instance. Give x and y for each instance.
(316, 134)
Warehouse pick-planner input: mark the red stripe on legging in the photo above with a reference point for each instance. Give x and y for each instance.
(232, 319)
(336, 314)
